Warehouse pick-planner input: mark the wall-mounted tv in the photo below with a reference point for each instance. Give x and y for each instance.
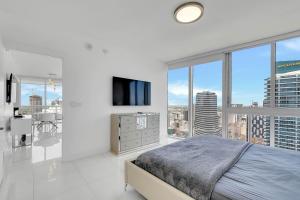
(129, 92)
(9, 88)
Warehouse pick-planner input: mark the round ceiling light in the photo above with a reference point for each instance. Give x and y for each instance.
(188, 12)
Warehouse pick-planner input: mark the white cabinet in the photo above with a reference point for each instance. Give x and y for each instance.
(19, 127)
(132, 131)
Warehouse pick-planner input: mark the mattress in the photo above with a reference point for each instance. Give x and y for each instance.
(262, 173)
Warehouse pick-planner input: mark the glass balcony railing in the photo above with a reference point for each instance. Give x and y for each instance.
(30, 110)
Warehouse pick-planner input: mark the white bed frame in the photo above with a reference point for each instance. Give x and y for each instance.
(150, 186)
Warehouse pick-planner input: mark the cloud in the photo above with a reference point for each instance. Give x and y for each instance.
(176, 102)
(26, 92)
(182, 89)
(293, 44)
(29, 89)
(178, 89)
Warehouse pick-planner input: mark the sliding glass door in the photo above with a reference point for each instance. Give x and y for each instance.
(207, 98)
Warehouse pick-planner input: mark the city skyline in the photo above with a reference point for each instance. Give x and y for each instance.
(28, 89)
(287, 95)
(245, 69)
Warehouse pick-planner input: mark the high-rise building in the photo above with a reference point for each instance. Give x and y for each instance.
(287, 94)
(36, 103)
(186, 115)
(206, 116)
(237, 126)
(260, 129)
(254, 104)
(57, 102)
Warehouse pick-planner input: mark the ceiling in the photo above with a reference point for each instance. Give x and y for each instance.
(148, 26)
(34, 65)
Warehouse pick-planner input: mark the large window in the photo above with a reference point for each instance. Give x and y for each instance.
(260, 88)
(253, 128)
(54, 95)
(251, 68)
(287, 91)
(178, 102)
(207, 98)
(32, 94)
(40, 95)
(278, 70)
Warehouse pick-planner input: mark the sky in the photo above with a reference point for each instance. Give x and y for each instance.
(250, 68)
(38, 89)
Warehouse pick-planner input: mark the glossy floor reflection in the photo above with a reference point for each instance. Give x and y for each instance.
(45, 146)
(37, 173)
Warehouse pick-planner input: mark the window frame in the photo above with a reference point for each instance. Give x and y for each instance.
(190, 65)
(189, 108)
(225, 55)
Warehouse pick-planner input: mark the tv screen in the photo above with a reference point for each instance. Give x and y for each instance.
(129, 92)
(9, 88)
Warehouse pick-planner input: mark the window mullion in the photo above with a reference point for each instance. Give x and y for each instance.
(272, 93)
(45, 93)
(226, 93)
(249, 127)
(273, 75)
(190, 108)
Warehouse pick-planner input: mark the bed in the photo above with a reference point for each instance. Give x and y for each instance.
(210, 167)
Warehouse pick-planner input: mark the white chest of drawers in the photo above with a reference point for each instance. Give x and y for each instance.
(133, 131)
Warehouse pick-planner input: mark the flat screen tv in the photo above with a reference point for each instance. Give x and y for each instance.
(9, 88)
(129, 92)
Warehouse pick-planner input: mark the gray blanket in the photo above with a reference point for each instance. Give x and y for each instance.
(211, 157)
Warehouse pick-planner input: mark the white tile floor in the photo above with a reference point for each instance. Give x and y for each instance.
(37, 173)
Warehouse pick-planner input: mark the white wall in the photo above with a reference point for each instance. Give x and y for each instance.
(87, 85)
(87, 94)
(5, 109)
(34, 65)
(2, 99)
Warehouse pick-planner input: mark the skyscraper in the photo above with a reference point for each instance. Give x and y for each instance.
(206, 116)
(35, 103)
(260, 129)
(287, 94)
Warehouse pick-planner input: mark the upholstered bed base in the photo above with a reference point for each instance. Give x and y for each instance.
(151, 187)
